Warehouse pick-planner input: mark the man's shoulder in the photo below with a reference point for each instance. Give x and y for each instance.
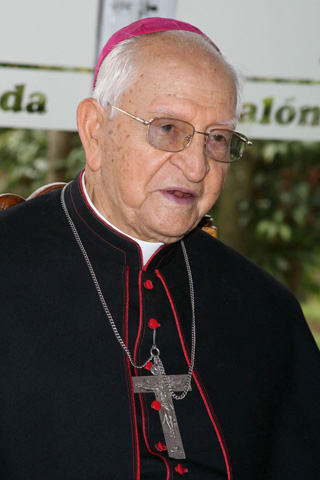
(29, 222)
(219, 263)
(24, 212)
(235, 287)
(208, 249)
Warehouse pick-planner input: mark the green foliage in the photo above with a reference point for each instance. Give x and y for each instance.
(75, 160)
(311, 310)
(282, 211)
(24, 162)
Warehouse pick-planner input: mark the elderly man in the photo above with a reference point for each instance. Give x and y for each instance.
(134, 345)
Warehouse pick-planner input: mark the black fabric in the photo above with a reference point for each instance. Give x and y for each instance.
(66, 403)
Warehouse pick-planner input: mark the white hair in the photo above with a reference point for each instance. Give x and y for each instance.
(119, 71)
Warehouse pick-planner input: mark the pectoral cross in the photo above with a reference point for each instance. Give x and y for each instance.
(158, 385)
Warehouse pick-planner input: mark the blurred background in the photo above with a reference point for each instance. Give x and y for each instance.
(270, 207)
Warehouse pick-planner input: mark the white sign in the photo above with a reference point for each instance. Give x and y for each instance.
(59, 33)
(281, 111)
(43, 99)
(55, 46)
(270, 40)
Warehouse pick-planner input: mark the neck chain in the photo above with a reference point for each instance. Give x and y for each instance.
(157, 367)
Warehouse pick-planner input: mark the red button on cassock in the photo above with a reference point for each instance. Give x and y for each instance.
(156, 405)
(148, 285)
(160, 447)
(153, 323)
(179, 469)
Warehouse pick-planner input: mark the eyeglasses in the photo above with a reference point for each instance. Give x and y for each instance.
(172, 135)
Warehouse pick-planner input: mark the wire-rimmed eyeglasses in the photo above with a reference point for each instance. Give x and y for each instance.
(173, 135)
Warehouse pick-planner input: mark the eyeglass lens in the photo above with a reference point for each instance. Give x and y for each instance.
(173, 135)
(170, 134)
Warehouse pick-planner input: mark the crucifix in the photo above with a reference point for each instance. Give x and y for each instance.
(158, 385)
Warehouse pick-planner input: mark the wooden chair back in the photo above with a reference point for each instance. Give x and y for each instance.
(8, 200)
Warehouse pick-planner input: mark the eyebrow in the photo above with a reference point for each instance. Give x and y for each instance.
(170, 114)
(232, 123)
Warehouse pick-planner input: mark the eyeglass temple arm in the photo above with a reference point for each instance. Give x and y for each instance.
(129, 114)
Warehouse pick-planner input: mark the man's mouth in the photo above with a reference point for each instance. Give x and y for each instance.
(179, 196)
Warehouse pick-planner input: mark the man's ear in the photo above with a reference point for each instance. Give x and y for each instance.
(89, 118)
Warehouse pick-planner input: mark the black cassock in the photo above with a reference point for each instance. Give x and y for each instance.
(67, 404)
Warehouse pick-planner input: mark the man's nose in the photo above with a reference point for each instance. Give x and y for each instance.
(192, 161)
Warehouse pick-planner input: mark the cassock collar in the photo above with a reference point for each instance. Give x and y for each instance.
(119, 247)
(147, 248)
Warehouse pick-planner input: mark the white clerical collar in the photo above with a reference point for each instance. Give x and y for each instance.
(147, 248)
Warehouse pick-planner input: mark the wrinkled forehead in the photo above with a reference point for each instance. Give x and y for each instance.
(169, 82)
(165, 58)
(163, 48)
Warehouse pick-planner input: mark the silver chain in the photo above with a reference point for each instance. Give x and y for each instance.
(154, 352)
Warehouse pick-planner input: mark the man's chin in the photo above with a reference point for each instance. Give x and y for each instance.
(174, 235)
(167, 227)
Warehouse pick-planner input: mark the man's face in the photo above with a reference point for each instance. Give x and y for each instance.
(150, 194)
